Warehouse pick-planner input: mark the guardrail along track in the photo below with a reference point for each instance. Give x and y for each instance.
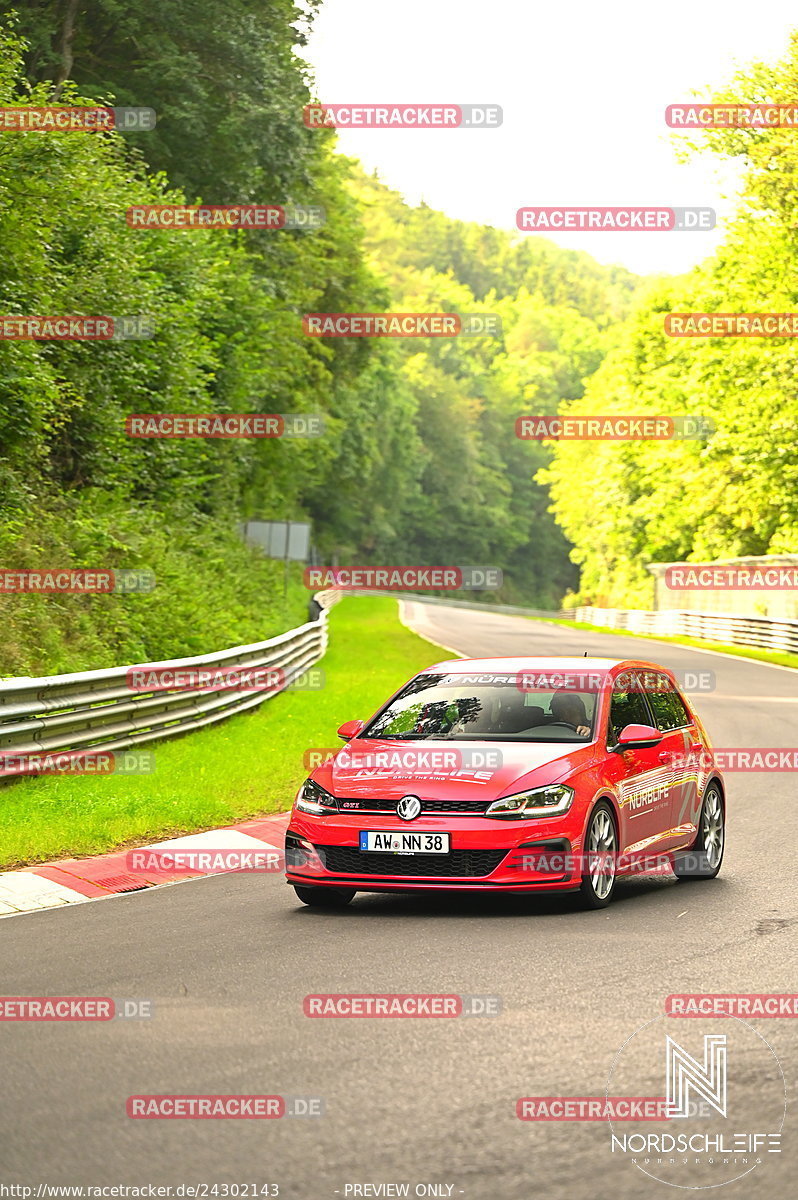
(764, 633)
(101, 711)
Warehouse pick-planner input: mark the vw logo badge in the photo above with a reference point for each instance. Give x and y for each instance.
(408, 808)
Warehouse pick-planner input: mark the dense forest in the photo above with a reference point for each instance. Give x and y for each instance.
(419, 462)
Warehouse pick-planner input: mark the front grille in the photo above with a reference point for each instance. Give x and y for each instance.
(348, 860)
(380, 804)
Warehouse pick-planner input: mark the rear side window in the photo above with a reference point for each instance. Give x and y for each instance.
(627, 708)
(667, 705)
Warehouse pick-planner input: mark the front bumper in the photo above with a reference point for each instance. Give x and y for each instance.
(485, 855)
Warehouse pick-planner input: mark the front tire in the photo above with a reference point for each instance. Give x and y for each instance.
(703, 859)
(601, 840)
(325, 897)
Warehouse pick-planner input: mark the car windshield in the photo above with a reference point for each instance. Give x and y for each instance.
(464, 708)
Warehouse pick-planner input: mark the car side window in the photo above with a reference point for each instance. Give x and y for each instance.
(626, 708)
(668, 707)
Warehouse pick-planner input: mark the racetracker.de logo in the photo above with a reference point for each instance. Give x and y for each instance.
(736, 758)
(56, 1008)
(207, 679)
(56, 329)
(393, 1004)
(224, 425)
(57, 581)
(73, 1008)
(544, 861)
(205, 861)
(61, 118)
(608, 428)
(731, 324)
(402, 578)
(731, 116)
(591, 1108)
(206, 1108)
(225, 216)
(402, 116)
(732, 1004)
(16, 328)
(617, 220)
(79, 762)
(711, 577)
(449, 761)
(402, 325)
(648, 682)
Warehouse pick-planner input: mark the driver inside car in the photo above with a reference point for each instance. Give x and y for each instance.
(569, 709)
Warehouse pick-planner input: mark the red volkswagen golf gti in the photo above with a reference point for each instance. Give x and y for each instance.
(512, 775)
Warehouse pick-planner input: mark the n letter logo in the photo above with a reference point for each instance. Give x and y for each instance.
(685, 1074)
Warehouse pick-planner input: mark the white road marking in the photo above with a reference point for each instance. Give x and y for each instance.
(21, 891)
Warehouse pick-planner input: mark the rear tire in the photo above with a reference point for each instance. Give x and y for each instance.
(703, 859)
(598, 882)
(325, 897)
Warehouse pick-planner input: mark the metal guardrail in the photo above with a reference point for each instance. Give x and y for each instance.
(764, 633)
(99, 711)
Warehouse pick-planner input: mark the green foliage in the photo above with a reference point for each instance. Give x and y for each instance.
(212, 590)
(475, 499)
(735, 493)
(222, 78)
(74, 488)
(404, 239)
(419, 463)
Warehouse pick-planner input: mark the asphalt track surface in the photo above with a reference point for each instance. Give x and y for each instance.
(227, 961)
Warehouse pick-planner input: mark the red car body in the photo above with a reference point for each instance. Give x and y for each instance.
(655, 795)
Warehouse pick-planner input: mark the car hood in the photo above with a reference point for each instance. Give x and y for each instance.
(446, 769)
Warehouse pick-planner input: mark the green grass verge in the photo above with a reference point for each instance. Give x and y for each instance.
(244, 767)
(780, 658)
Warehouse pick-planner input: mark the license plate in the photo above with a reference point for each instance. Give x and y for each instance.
(399, 842)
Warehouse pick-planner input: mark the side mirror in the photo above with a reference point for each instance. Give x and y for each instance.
(350, 729)
(637, 737)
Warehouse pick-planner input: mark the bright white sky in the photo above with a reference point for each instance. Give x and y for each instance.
(583, 85)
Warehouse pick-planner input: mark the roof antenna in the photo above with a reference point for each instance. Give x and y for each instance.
(585, 653)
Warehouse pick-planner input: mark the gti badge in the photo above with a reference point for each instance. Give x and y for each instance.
(408, 808)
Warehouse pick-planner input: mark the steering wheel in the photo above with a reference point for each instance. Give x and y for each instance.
(566, 723)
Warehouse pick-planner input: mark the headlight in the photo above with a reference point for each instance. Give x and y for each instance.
(313, 799)
(539, 802)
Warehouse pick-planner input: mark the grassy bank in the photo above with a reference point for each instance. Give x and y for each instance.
(240, 768)
(212, 590)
